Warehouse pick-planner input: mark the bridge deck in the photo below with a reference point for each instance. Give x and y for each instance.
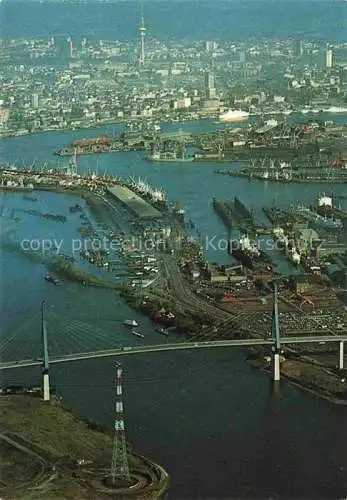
(175, 347)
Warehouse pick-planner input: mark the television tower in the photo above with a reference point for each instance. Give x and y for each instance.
(142, 31)
(120, 466)
(70, 47)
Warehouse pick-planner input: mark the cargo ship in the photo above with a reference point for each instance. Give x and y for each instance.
(245, 251)
(169, 156)
(155, 195)
(234, 213)
(234, 115)
(248, 253)
(323, 214)
(325, 206)
(224, 211)
(321, 218)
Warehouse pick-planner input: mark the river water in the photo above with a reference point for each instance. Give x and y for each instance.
(212, 421)
(178, 19)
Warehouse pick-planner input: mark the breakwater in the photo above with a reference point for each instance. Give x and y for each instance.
(61, 265)
(37, 213)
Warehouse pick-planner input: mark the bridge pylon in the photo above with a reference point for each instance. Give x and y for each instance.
(276, 335)
(120, 466)
(341, 355)
(45, 359)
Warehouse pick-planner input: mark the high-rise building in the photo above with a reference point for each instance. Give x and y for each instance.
(298, 48)
(242, 56)
(35, 100)
(210, 83)
(209, 80)
(210, 87)
(343, 75)
(329, 58)
(210, 46)
(142, 31)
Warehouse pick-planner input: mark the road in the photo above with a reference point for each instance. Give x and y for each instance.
(39, 483)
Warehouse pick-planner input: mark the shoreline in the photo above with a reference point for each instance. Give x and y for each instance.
(326, 114)
(66, 454)
(251, 178)
(102, 123)
(185, 323)
(260, 365)
(256, 363)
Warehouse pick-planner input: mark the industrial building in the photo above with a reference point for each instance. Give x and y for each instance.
(137, 205)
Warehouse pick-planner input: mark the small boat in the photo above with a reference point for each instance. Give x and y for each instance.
(163, 331)
(75, 208)
(51, 279)
(137, 334)
(130, 322)
(29, 198)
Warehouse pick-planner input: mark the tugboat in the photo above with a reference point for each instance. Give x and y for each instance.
(130, 322)
(137, 334)
(51, 279)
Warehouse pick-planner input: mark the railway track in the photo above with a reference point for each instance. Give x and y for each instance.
(184, 295)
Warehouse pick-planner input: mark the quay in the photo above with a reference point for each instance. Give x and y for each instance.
(137, 205)
(220, 315)
(314, 178)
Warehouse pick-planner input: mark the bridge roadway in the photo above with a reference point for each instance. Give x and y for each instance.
(174, 347)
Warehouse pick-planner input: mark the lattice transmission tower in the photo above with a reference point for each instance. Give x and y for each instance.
(120, 465)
